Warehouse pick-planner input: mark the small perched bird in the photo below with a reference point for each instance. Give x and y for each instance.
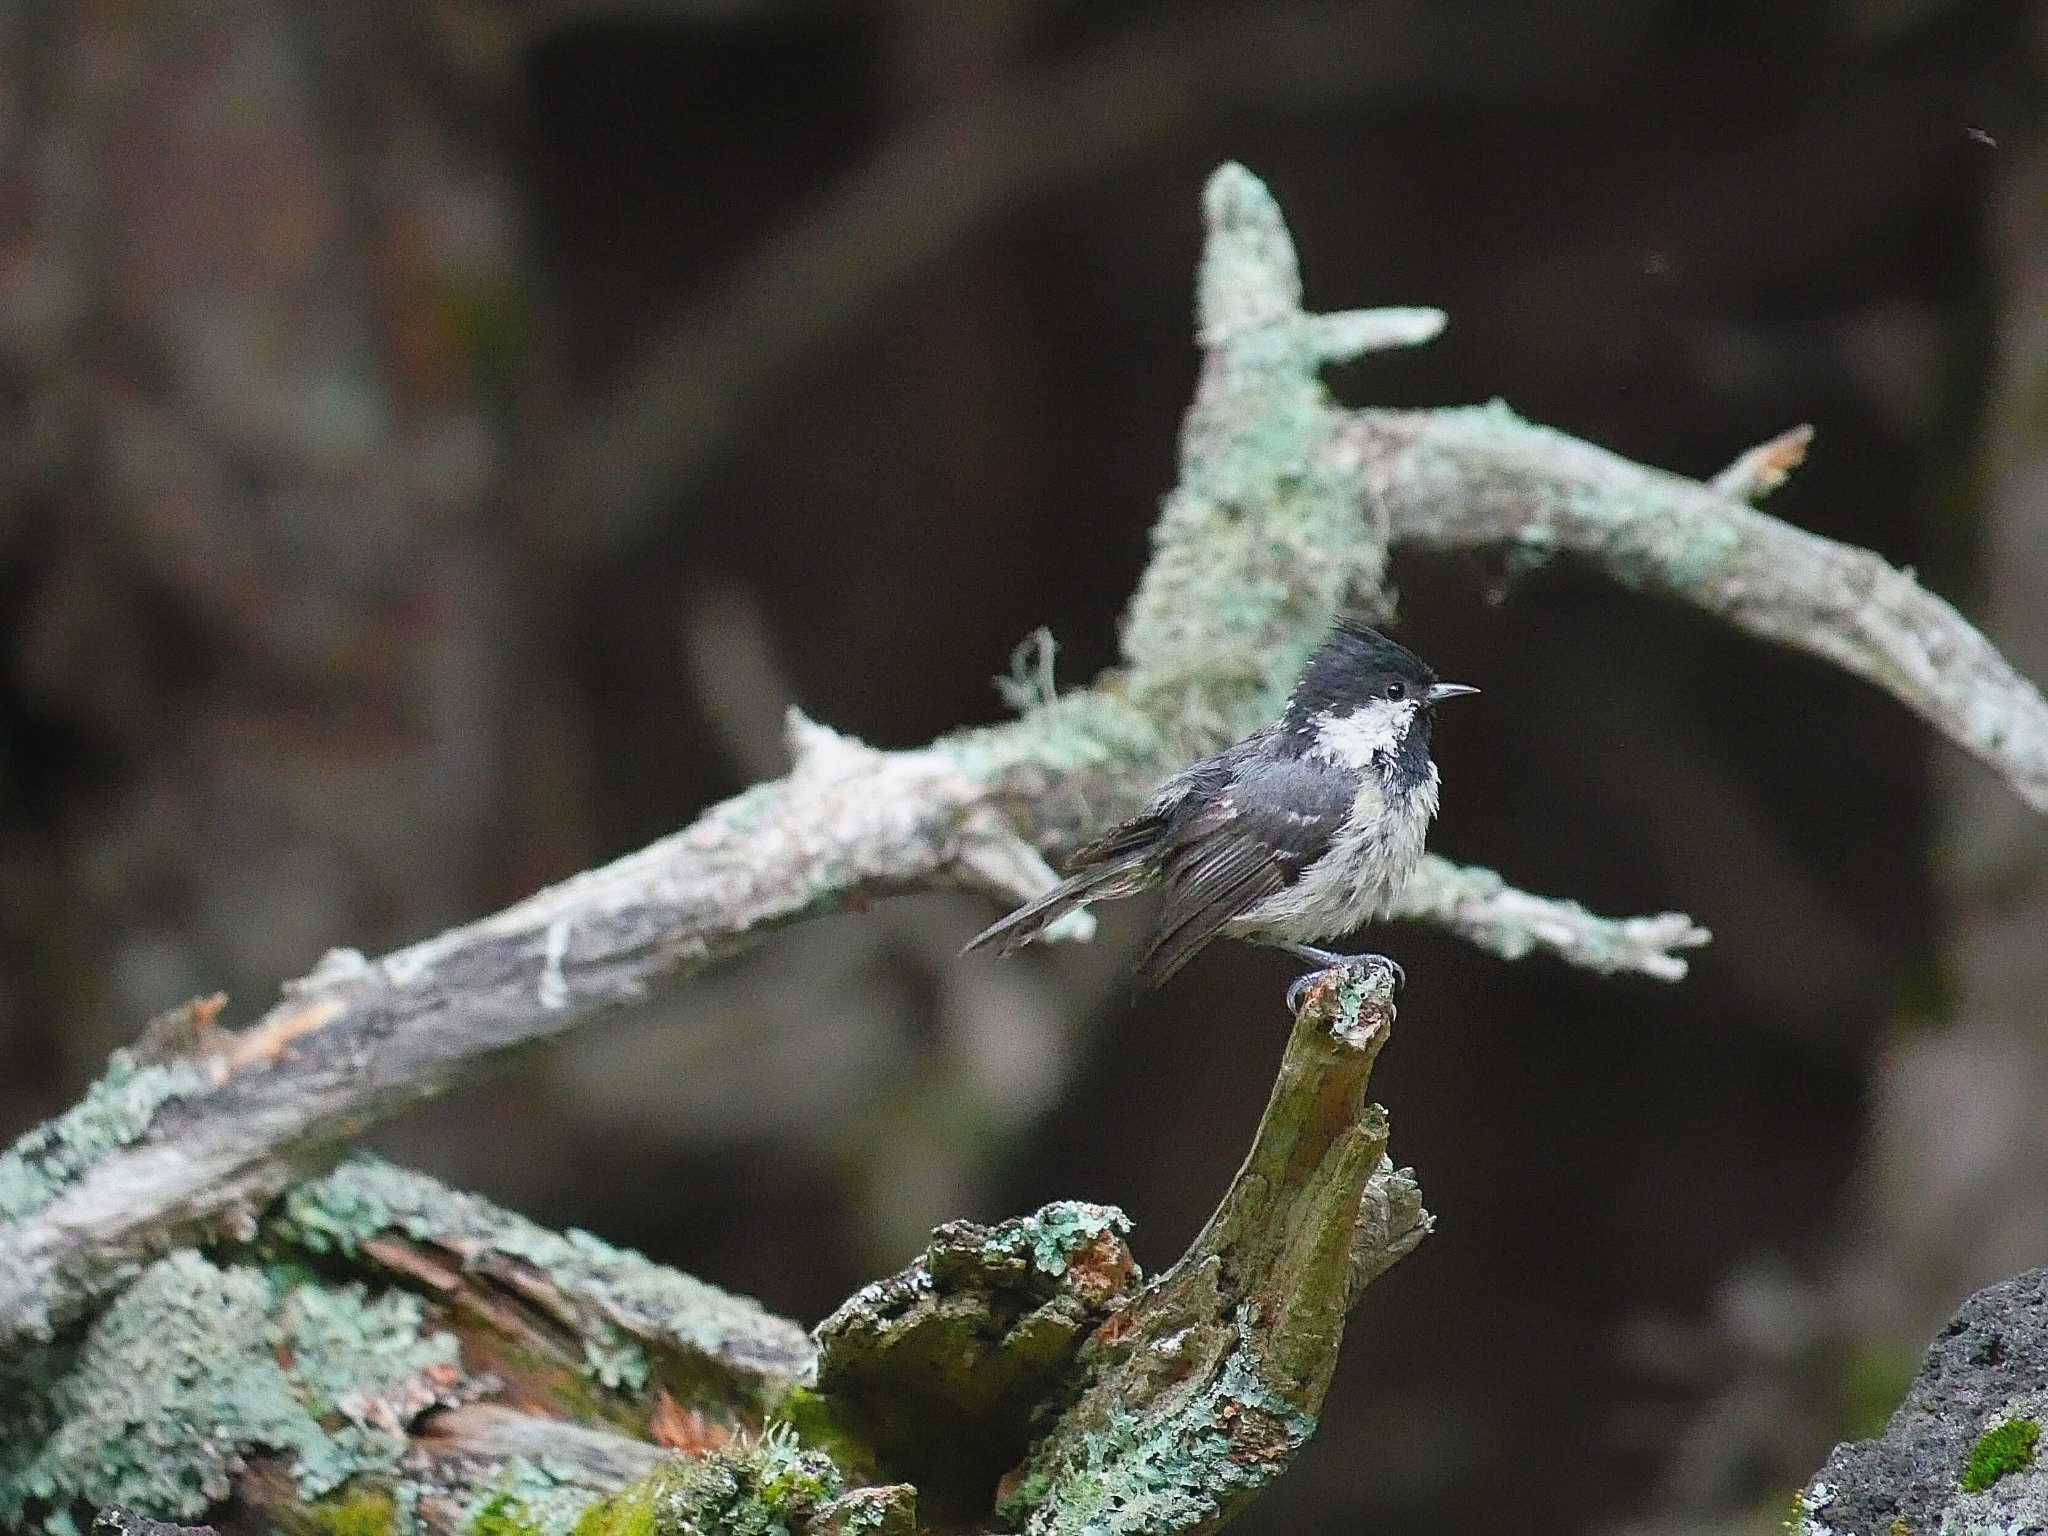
(1305, 830)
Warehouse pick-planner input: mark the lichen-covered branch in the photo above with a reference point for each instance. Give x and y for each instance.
(626, 1316)
(1479, 905)
(371, 1346)
(1204, 1387)
(1268, 531)
(1481, 476)
(377, 1337)
(378, 1354)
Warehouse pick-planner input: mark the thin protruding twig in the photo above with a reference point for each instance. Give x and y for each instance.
(1764, 468)
(1478, 905)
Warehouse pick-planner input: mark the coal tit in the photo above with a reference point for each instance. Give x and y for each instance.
(1305, 830)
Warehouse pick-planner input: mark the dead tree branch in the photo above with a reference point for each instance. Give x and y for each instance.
(1268, 533)
(1183, 1397)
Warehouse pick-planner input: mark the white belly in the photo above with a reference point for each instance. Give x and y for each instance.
(1357, 879)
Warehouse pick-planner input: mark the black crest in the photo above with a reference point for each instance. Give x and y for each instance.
(1354, 662)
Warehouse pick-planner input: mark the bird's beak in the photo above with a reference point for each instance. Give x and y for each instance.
(1438, 692)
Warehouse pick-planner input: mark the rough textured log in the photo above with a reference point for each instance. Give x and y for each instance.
(1963, 1452)
(382, 1344)
(1202, 1390)
(940, 1368)
(380, 1337)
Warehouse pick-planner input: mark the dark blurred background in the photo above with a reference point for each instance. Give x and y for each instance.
(439, 440)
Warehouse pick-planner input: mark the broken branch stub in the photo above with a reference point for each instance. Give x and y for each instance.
(939, 1369)
(1202, 1389)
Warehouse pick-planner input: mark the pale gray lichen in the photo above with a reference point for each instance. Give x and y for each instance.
(890, 1510)
(197, 1365)
(1073, 734)
(1170, 1471)
(1481, 907)
(616, 1362)
(114, 1113)
(655, 1305)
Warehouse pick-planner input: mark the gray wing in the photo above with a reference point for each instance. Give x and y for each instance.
(1119, 862)
(1270, 820)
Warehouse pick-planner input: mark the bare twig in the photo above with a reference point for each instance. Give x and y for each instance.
(1761, 470)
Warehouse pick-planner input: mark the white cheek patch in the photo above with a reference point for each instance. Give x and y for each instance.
(1355, 739)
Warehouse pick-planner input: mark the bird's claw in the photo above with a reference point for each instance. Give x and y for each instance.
(1327, 962)
(1296, 992)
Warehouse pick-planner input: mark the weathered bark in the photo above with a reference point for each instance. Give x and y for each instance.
(382, 1348)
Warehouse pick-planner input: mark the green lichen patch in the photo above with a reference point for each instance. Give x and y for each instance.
(1052, 1240)
(818, 1423)
(354, 1512)
(616, 1362)
(2005, 1448)
(630, 1303)
(522, 1497)
(631, 1511)
(195, 1366)
(1185, 1467)
(504, 1515)
(767, 1487)
(114, 1113)
(1063, 1229)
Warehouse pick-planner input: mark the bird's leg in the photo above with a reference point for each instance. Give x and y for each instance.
(1326, 959)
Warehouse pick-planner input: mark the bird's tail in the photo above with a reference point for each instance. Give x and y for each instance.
(1012, 933)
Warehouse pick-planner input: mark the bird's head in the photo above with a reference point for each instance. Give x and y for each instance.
(1363, 696)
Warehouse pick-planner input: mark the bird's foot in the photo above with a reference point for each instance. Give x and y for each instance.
(1328, 959)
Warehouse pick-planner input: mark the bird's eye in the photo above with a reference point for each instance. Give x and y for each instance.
(1397, 690)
